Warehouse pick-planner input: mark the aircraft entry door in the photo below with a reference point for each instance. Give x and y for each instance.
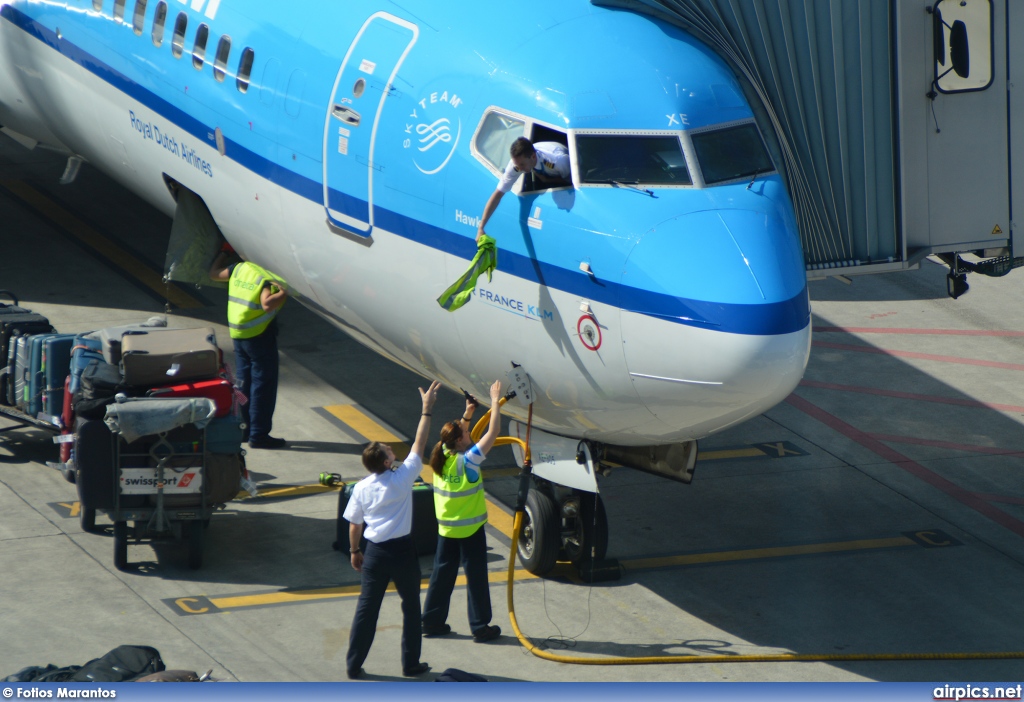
(360, 90)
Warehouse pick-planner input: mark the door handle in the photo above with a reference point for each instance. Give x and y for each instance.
(346, 114)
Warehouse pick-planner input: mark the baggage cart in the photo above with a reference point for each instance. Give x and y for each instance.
(167, 482)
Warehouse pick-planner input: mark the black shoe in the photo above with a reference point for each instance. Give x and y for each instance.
(355, 674)
(431, 631)
(267, 442)
(488, 633)
(418, 669)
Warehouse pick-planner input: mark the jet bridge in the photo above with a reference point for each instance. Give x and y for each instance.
(891, 121)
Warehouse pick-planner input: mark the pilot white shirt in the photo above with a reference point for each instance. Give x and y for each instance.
(552, 161)
(383, 502)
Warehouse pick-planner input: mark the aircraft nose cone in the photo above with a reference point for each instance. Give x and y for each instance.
(717, 325)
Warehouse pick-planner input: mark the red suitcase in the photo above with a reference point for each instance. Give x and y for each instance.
(68, 421)
(218, 390)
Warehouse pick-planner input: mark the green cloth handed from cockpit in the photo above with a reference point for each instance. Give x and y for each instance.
(486, 260)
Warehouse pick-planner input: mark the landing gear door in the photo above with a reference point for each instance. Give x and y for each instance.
(362, 87)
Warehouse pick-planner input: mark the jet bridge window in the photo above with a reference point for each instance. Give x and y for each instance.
(244, 69)
(495, 136)
(178, 40)
(159, 18)
(631, 159)
(730, 154)
(220, 64)
(199, 47)
(139, 17)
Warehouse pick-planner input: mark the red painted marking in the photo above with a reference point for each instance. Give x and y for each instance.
(914, 468)
(973, 448)
(915, 354)
(939, 332)
(913, 396)
(990, 497)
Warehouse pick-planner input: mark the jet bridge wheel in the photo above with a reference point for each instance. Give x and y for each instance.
(540, 536)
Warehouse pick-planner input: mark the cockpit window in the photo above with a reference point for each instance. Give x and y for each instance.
(631, 159)
(728, 154)
(495, 136)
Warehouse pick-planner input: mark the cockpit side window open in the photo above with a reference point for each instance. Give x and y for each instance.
(731, 153)
(495, 136)
(632, 159)
(541, 133)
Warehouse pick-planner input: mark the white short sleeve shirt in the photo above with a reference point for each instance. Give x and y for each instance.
(383, 502)
(552, 160)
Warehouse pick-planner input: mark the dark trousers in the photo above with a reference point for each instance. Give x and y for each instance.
(391, 560)
(257, 363)
(472, 553)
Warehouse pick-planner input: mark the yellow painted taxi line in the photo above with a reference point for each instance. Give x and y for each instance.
(208, 605)
(770, 552)
(128, 263)
(729, 453)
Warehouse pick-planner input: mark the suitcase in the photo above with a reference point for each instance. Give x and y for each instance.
(94, 464)
(85, 349)
(12, 326)
(18, 364)
(108, 340)
(424, 520)
(218, 390)
(12, 308)
(67, 421)
(161, 356)
(99, 382)
(54, 365)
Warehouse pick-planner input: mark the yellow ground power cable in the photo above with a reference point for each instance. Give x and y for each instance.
(478, 431)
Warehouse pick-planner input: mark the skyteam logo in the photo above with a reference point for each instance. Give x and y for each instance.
(197, 5)
(434, 131)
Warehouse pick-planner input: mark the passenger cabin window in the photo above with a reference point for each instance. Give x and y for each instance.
(220, 64)
(199, 47)
(730, 154)
(97, 5)
(139, 17)
(495, 136)
(118, 9)
(244, 69)
(159, 17)
(178, 40)
(628, 159)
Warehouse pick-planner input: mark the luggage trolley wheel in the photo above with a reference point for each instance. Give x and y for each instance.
(194, 538)
(121, 545)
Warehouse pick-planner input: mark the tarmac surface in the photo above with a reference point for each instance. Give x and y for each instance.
(878, 511)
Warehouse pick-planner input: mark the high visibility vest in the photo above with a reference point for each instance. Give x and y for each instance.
(246, 316)
(460, 506)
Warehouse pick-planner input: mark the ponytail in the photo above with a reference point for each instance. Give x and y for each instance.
(451, 432)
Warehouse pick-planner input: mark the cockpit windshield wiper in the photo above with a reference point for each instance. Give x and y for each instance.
(635, 185)
(759, 171)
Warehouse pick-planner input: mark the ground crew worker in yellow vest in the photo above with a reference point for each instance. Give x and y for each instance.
(461, 510)
(255, 296)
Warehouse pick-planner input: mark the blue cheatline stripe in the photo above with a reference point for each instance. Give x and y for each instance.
(783, 317)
